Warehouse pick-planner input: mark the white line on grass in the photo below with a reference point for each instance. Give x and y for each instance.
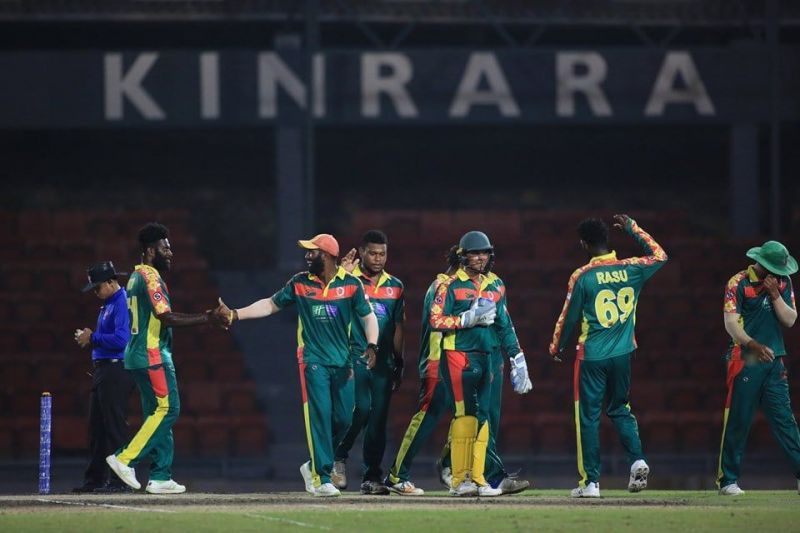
(285, 520)
(106, 505)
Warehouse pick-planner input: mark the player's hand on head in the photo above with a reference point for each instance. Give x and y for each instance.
(350, 261)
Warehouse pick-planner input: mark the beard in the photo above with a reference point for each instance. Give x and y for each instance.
(160, 262)
(316, 266)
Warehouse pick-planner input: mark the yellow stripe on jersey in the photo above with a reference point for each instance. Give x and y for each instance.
(449, 342)
(435, 346)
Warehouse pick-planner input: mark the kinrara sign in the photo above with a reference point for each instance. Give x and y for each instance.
(69, 89)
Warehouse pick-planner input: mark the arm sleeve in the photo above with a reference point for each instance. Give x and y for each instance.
(733, 296)
(573, 307)
(285, 296)
(400, 308)
(117, 340)
(442, 304)
(360, 300)
(155, 292)
(788, 293)
(655, 257)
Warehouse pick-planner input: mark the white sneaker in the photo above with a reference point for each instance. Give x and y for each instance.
(487, 490)
(591, 490)
(165, 487)
(465, 488)
(513, 485)
(446, 476)
(124, 472)
(638, 479)
(327, 490)
(732, 489)
(305, 471)
(339, 475)
(405, 488)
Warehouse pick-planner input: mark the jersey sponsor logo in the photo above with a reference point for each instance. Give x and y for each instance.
(157, 296)
(379, 309)
(324, 312)
(614, 276)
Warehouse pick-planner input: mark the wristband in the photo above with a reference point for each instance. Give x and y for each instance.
(373, 346)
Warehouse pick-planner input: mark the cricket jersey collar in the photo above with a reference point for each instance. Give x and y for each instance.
(751, 275)
(340, 273)
(383, 278)
(610, 256)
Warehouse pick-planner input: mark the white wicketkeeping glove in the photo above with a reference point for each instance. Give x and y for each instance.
(520, 379)
(480, 313)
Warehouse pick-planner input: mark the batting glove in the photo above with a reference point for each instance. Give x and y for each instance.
(520, 379)
(481, 313)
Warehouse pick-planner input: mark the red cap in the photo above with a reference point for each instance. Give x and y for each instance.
(323, 241)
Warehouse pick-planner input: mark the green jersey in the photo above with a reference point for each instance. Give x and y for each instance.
(324, 315)
(454, 296)
(430, 341)
(603, 295)
(388, 303)
(151, 341)
(745, 296)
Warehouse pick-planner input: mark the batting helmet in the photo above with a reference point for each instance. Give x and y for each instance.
(476, 241)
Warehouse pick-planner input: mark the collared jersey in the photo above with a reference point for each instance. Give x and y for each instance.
(324, 315)
(603, 295)
(151, 341)
(746, 296)
(113, 328)
(388, 303)
(454, 296)
(430, 341)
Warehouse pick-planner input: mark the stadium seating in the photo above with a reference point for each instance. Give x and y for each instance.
(44, 259)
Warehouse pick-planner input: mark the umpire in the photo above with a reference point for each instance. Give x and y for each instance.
(111, 384)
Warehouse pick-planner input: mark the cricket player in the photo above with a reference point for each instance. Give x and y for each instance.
(328, 299)
(148, 356)
(463, 308)
(373, 387)
(603, 295)
(433, 396)
(759, 302)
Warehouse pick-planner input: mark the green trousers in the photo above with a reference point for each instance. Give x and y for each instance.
(158, 389)
(373, 391)
(751, 385)
(594, 382)
(328, 400)
(495, 470)
(432, 404)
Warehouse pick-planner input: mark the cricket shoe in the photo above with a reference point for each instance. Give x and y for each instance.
(327, 490)
(339, 475)
(374, 488)
(731, 489)
(513, 485)
(405, 488)
(486, 491)
(445, 474)
(591, 490)
(124, 472)
(308, 479)
(165, 487)
(638, 479)
(465, 488)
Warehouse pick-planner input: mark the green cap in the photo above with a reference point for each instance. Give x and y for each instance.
(774, 256)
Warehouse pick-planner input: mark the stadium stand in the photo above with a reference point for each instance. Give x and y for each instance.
(45, 254)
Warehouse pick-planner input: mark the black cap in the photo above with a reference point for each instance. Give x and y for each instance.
(100, 272)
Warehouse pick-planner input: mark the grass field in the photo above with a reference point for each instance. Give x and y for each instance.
(544, 510)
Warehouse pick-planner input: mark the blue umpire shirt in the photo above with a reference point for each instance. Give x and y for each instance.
(113, 328)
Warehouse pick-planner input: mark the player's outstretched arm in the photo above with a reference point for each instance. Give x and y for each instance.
(257, 309)
(182, 320)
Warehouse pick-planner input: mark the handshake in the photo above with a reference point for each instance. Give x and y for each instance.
(482, 312)
(222, 316)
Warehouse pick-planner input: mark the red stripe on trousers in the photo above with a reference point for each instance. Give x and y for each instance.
(734, 368)
(576, 380)
(431, 380)
(456, 363)
(303, 391)
(158, 380)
